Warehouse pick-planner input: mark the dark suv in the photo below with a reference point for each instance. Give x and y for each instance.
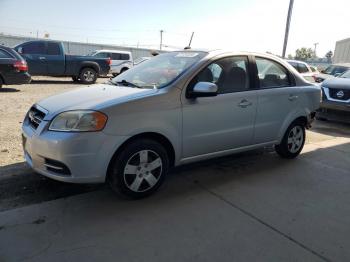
(13, 68)
(336, 98)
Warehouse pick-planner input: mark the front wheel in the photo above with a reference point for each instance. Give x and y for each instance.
(139, 170)
(293, 141)
(88, 76)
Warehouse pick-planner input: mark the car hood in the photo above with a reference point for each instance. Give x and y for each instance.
(92, 97)
(337, 82)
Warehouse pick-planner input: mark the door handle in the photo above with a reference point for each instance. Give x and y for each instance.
(292, 97)
(245, 103)
(42, 58)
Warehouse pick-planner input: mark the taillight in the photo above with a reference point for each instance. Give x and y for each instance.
(20, 66)
(109, 62)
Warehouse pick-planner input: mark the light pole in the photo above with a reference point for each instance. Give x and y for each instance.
(161, 39)
(315, 44)
(289, 17)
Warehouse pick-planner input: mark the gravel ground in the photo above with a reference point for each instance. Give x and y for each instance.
(19, 185)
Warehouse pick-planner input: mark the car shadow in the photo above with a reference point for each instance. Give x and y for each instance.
(53, 82)
(332, 128)
(9, 90)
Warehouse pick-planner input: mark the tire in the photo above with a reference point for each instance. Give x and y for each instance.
(293, 141)
(123, 70)
(88, 76)
(75, 79)
(1, 82)
(139, 170)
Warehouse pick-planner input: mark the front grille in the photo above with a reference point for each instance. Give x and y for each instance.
(340, 94)
(35, 116)
(56, 167)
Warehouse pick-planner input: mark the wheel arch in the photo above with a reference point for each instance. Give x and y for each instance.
(163, 140)
(92, 65)
(301, 117)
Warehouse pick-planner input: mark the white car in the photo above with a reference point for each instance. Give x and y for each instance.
(304, 69)
(120, 60)
(176, 108)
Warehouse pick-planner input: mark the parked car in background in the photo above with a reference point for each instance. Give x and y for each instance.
(304, 69)
(13, 68)
(332, 71)
(141, 59)
(120, 60)
(48, 58)
(314, 69)
(336, 98)
(176, 108)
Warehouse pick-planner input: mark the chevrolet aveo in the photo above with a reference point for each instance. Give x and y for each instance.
(176, 108)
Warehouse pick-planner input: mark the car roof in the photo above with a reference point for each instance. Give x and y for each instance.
(11, 51)
(113, 51)
(296, 61)
(342, 64)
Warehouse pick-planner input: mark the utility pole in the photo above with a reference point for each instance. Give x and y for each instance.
(37, 34)
(161, 39)
(315, 44)
(289, 17)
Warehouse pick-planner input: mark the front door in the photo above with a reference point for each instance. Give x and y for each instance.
(35, 55)
(223, 122)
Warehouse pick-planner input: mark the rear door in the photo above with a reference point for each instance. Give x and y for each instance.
(277, 99)
(7, 70)
(55, 59)
(35, 55)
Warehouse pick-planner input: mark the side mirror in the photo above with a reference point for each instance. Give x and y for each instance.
(20, 50)
(204, 89)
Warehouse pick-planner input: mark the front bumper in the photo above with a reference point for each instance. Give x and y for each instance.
(337, 111)
(69, 157)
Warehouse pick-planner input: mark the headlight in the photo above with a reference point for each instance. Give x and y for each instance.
(79, 121)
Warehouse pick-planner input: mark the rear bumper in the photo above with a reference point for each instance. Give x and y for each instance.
(18, 78)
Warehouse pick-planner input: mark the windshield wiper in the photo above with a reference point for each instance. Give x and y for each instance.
(127, 83)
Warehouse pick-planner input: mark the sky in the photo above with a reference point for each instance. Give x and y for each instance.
(238, 25)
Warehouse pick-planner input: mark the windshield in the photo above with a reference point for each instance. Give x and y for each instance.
(159, 71)
(332, 70)
(346, 74)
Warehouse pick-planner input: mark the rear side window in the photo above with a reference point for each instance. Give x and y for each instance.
(53, 49)
(103, 55)
(34, 48)
(272, 74)
(303, 68)
(124, 57)
(115, 56)
(4, 54)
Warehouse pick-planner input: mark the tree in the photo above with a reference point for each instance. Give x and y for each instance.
(329, 55)
(290, 56)
(304, 53)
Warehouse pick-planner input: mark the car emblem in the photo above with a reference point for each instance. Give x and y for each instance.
(340, 94)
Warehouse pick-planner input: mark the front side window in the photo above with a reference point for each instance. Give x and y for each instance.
(230, 74)
(333, 69)
(4, 54)
(34, 48)
(161, 70)
(272, 74)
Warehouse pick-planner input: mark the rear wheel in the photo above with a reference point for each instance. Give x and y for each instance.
(88, 76)
(140, 169)
(293, 141)
(1, 82)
